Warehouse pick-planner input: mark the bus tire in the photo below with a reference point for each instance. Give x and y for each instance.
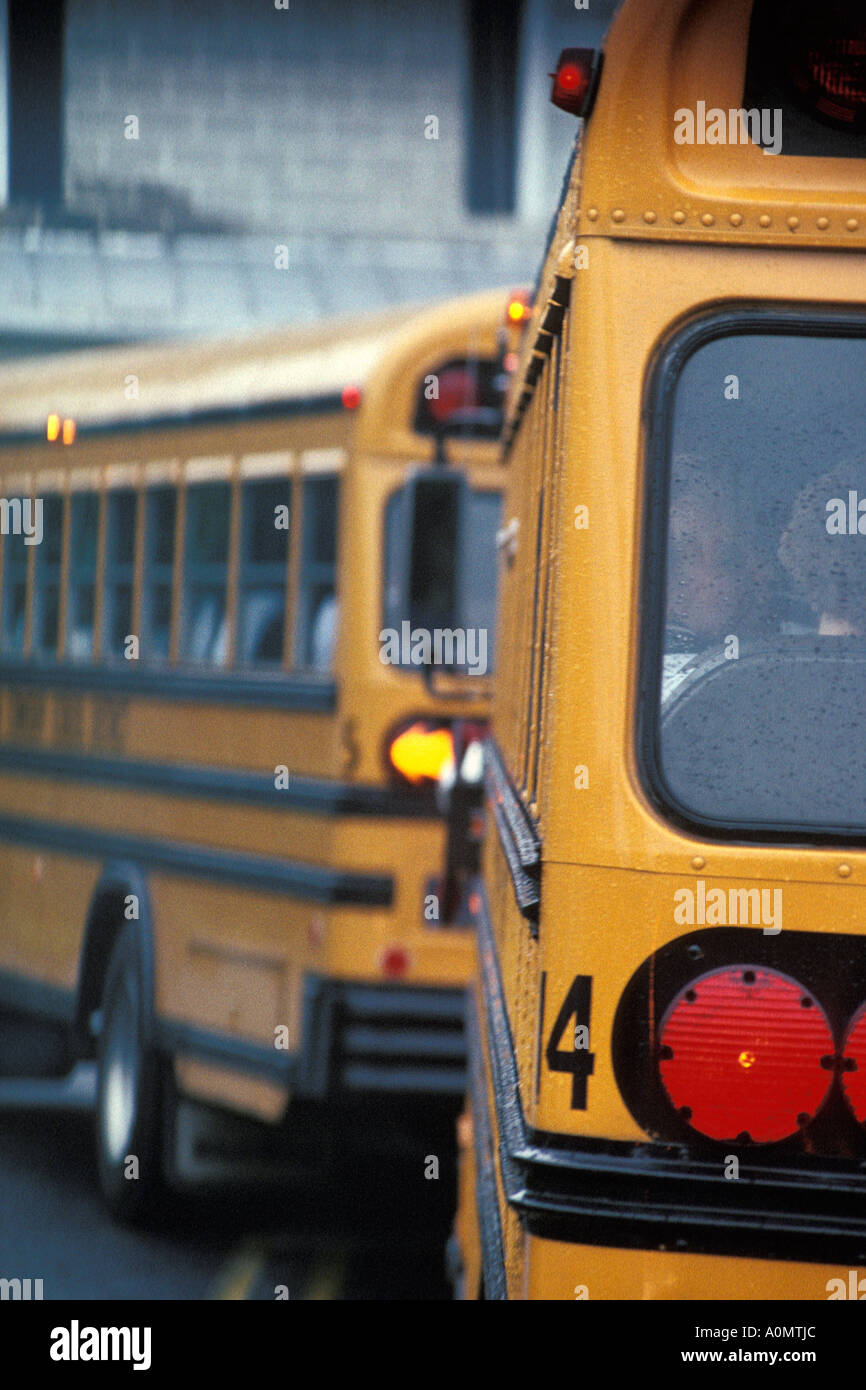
(129, 1090)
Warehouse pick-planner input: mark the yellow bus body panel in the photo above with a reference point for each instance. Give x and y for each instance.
(650, 236)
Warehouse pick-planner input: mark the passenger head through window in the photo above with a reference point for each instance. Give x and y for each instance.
(822, 549)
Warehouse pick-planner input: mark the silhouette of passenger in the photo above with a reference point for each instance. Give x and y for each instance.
(824, 559)
(705, 573)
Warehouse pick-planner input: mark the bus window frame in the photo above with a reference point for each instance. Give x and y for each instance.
(46, 575)
(142, 571)
(310, 574)
(683, 338)
(153, 572)
(266, 574)
(206, 576)
(18, 649)
(544, 598)
(77, 576)
(398, 490)
(116, 572)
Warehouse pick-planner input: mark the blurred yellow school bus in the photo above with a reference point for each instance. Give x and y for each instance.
(667, 1062)
(225, 704)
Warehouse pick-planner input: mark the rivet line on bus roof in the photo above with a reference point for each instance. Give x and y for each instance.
(708, 219)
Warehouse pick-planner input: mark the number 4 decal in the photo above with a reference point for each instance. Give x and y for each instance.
(577, 1060)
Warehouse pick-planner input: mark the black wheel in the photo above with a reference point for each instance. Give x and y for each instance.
(129, 1090)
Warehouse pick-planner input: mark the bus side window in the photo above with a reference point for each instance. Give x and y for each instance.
(83, 537)
(158, 583)
(317, 610)
(119, 570)
(205, 573)
(14, 588)
(46, 617)
(263, 571)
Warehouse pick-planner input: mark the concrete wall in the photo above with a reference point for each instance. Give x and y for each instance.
(261, 127)
(306, 119)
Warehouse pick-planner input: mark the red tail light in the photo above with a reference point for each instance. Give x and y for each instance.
(854, 1065)
(420, 751)
(746, 1055)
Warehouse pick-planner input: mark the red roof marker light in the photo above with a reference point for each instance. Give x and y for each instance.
(575, 80)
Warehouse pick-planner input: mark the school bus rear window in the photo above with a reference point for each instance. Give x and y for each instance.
(763, 674)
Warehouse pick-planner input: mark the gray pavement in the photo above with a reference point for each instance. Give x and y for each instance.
(362, 1223)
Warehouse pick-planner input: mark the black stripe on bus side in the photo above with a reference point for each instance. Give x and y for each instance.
(316, 796)
(36, 997)
(168, 683)
(486, 1194)
(327, 403)
(521, 843)
(500, 1055)
(305, 881)
(220, 1049)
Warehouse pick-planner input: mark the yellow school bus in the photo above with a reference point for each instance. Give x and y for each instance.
(666, 1060)
(222, 735)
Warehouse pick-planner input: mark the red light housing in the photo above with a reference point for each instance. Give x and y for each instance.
(574, 81)
(419, 751)
(854, 1065)
(746, 1055)
(830, 76)
(351, 397)
(458, 390)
